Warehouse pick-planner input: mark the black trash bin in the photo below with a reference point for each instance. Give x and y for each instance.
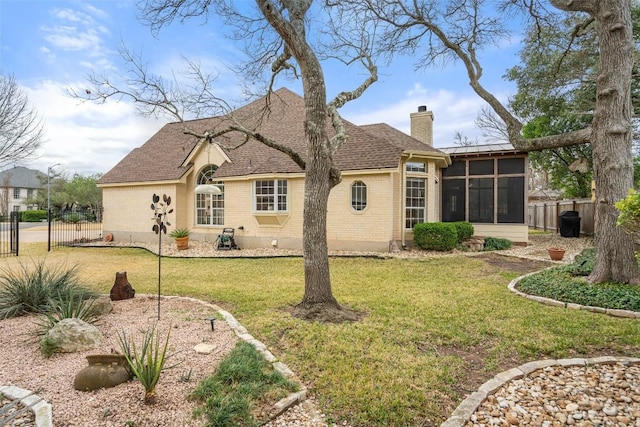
(569, 224)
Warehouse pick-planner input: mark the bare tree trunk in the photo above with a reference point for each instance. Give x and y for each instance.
(612, 136)
(321, 176)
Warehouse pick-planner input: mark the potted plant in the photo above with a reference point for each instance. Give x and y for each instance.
(181, 236)
(556, 254)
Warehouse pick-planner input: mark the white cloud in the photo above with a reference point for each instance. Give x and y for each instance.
(86, 138)
(452, 113)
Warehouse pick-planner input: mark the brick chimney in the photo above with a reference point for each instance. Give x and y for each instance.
(422, 125)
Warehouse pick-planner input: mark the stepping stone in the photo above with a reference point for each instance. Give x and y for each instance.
(203, 348)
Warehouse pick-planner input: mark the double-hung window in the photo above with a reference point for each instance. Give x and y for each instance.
(270, 195)
(415, 194)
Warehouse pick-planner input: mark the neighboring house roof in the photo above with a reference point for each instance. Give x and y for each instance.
(470, 150)
(164, 156)
(21, 177)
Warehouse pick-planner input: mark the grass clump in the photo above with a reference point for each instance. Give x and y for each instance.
(33, 290)
(244, 382)
(496, 244)
(147, 361)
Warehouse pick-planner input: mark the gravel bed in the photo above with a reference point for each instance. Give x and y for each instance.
(22, 365)
(536, 249)
(592, 395)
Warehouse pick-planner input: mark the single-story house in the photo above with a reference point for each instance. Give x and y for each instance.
(390, 182)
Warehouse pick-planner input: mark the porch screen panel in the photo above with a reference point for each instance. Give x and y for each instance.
(511, 200)
(481, 200)
(453, 200)
(415, 202)
(456, 168)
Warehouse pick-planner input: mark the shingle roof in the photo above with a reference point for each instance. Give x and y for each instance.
(21, 177)
(162, 157)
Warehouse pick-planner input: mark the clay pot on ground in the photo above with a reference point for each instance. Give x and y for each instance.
(556, 254)
(182, 243)
(104, 371)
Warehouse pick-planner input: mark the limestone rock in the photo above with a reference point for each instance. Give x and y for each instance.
(102, 305)
(122, 289)
(475, 244)
(71, 335)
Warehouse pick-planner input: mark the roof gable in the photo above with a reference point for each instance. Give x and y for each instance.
(166, 155)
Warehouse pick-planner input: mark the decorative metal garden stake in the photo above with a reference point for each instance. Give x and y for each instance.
(160, 212)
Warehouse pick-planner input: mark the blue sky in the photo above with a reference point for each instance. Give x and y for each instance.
(51, 45)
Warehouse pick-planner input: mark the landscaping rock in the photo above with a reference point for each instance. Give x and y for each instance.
(102, 305)
(122, 289)
(71, 335)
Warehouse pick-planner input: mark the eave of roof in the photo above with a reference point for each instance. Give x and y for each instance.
(481, 149)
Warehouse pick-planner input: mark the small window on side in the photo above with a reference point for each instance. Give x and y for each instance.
(416, 167)
(358, 195)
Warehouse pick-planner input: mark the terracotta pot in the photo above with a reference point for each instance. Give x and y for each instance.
(182, 243)
(556, 254)
(104, 371)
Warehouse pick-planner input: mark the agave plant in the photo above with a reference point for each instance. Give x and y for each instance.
(147, 361)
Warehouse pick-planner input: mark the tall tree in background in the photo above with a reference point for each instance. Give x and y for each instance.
(438, 31)
(278, 43)
(21, 131)
(557, 93)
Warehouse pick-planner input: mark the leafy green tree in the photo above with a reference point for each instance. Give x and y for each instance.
(79, 191)
(562, 100)
(83, 191)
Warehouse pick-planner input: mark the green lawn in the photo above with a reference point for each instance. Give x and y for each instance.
(432, 330)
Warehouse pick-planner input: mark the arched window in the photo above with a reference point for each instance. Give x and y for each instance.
(209, 207)
(358, 195)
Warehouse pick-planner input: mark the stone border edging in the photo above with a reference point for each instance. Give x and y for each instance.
(462, 414)
(555, 303)
(40, 408)
(241, 332)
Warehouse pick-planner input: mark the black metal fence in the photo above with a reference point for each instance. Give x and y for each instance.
(9, 235)
(74, 227)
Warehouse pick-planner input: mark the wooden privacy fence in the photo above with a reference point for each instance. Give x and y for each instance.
(544, 215)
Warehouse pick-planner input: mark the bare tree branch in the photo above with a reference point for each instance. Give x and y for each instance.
(21, 130)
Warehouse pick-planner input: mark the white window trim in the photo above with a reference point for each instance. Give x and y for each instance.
(276, 210)
(365, 188)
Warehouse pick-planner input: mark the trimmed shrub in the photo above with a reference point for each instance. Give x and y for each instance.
(464, 230)
(435, 236)
(33, 216)
(496, 244)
